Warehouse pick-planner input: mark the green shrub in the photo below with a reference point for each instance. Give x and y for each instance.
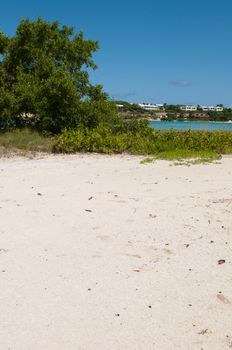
(86, 140)
(144, 141)
(218, 141)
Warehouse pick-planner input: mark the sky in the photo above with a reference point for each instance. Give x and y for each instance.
(154, 51)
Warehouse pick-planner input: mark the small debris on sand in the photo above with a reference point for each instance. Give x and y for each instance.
(221, 261)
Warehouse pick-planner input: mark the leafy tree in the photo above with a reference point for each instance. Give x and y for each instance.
(44, 70)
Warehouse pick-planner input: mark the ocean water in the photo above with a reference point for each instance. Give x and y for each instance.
(210, 126)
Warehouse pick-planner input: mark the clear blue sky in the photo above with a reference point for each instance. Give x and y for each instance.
(174, 51)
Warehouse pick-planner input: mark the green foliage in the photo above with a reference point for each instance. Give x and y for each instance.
(221, 116)
(26, 140)
(180, 154)
(44, 71)
(87, 140)
(97, 110)
(8, 104)
(218, 141)
(170, 117)
(144, 141)
(58, 103)
(184, 157)
(128, 107)
(147, 160)
(170, 145)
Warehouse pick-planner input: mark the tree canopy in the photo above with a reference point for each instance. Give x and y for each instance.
(44, 72)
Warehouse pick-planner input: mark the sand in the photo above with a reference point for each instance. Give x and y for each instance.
(105, 253)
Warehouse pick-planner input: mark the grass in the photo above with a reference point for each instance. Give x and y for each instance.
(187, 147)
(147, 160)
(181, 154)
(184, 157)
(188, 162)
(23, 142)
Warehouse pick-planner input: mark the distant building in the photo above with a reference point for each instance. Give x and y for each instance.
(119, 106)
(150, 106)
(188, 108)
(212, 108)
(219, 108)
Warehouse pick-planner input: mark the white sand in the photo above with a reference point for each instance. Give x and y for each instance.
(139, 271)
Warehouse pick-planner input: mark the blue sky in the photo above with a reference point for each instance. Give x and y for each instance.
(174, 51)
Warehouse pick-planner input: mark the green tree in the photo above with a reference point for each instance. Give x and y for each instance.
(44, 70)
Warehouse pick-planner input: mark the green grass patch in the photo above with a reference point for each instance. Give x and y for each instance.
(181, 154)
(147, 160)
(184, 157)
(23, 141)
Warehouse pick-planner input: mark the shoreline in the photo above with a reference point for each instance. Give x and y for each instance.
(189, 121)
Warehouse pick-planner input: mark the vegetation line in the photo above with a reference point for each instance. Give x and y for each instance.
(48, 104)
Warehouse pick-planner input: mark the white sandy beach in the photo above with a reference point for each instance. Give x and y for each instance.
(105, 253)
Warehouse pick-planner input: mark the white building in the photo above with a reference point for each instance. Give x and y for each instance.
(188, 108)
(150, 106)
(212, 108)
(219, 109)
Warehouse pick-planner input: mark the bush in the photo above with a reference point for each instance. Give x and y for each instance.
(87, 140)
(144, 141)
(218, 141)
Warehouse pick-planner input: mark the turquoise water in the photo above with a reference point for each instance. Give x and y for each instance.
(210, 126)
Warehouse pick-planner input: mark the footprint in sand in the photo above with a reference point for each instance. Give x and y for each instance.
(132, 255)
(223, 299)
(103, 237)
(168, 251)
(96, 256)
